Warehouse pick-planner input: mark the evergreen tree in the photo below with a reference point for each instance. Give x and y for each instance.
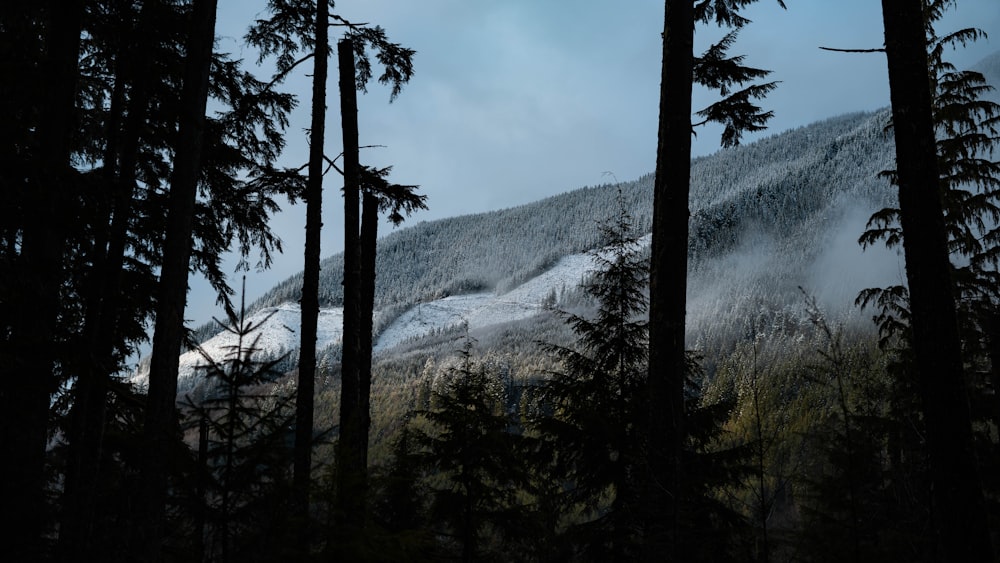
(360, 234)
(470, 452)
(310, 277)
(241, 477)
(592, 409)
(44, 42)
(160, 426)
(668, 265)
(937, 212)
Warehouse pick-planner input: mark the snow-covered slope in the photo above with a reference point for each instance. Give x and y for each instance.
(276, 329)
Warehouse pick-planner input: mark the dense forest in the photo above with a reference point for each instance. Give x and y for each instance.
(699, 393)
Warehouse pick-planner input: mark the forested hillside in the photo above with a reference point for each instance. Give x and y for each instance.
(792, 189)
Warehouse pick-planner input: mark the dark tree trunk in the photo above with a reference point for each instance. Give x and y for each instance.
(302, 467)
(668, 281)
(957, 494)
(86, 431)
(350, 465)
(369, 246)
(161, 431)
(31, 381)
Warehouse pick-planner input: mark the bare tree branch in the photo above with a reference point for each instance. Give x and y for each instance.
(880, 50)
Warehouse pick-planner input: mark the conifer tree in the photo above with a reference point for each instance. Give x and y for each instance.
(161, 424)
(310, 277)
(295, 26)
(473, 452)
(592, 409)
(243, 439)
(360, 234)
(668, 266)
(44, 43)
(938, 215)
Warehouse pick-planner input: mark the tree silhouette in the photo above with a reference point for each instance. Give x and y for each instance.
(592, 409)
(668, 265)
(936, 343)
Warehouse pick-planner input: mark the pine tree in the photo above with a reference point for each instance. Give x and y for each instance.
(360, 234)
(242, 469)
(936, 343)
(44, 117)
(470, 451)
(926, 308)
(160, 427)
(592, 409)
(668, 265)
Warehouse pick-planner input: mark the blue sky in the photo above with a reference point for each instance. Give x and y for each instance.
(516, 100)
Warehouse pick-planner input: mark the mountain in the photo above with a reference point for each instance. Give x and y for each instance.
(773, 223)
(767, 218)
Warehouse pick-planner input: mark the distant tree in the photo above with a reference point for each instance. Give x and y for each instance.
(668, 265)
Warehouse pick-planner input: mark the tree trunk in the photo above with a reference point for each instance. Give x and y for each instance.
(86, 431)
(31, 380)
(369, 246)
(161, 431)
(350, 466)
(668, 281)
(302, 467)
(959, 507)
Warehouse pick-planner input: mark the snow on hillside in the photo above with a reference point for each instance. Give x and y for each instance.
(277, 328)
(275, 331)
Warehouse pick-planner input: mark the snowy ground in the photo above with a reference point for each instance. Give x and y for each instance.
(278, 327)
(275, 330)
(481, 310)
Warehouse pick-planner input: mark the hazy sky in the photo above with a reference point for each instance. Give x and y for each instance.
(516, 100)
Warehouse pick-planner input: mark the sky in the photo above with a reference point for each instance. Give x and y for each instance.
(516, 100)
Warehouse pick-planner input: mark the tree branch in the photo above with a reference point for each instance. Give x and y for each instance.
(880, 50)
(281, 75)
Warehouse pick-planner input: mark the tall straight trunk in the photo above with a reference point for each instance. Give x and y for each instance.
(369, 247)
(668, 280)
(959, 507)
(27, 390)
(161, 430)
(350, 465)
(103, 308)
(302, 463)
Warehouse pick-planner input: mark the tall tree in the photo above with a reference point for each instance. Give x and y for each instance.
(957, 493)
(302, 467)
(351, 480)
(45, 124)
(293, 27)
(378, 195)
(104, 283)
(668, 276)
(161, 423)
(359, 260)
(668, 266)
